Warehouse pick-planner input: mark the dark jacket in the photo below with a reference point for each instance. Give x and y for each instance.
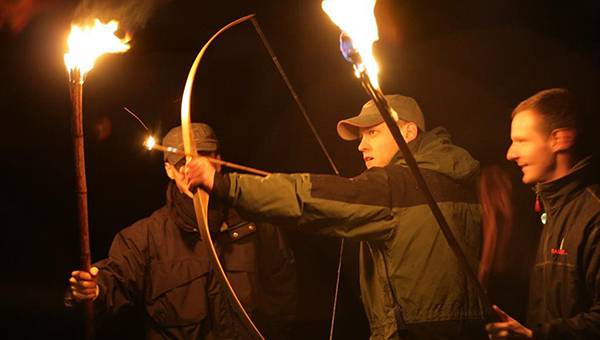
(565, 283)
(404, 258)
(161, 264)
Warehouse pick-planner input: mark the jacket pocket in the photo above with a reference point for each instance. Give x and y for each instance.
(239, 252)
(177, 294)
(239, 263)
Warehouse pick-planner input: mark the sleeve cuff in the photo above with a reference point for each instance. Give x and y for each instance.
(221, 186)
(540, 332)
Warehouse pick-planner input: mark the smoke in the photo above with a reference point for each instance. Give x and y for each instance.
(131, 14)
(16, 14)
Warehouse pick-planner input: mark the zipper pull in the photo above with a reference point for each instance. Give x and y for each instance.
(538, 205)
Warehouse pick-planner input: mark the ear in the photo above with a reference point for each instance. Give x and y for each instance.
(170, 170)
(411, 131)
(563, 139)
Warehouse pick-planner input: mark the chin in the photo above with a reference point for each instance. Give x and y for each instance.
(373, 165)
(528, 179)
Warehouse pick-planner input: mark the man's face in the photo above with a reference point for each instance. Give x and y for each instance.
(531, 148)
(378, 145)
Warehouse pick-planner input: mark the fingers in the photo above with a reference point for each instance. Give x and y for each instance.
(195, 167)
(501, 335)
(83, 296)
(199, 172)
(196, 164)
(503, 316)
(86, 287)
(509, 328)
(83, 284)
(499, 330)
(496, 326)
(83, 275)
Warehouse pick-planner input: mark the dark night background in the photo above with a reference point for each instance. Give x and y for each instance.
(468, 63)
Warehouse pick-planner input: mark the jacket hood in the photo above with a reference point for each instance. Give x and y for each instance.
(434, 150)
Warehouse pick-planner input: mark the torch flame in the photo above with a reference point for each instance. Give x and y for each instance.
(357, 19)
(150, 142)
(88, 43)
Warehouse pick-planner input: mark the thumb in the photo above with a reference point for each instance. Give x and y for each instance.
(503, 316)
(94, 271)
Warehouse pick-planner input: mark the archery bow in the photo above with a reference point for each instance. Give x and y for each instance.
(201, 197)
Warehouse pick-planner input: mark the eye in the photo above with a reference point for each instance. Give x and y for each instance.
(372, 132)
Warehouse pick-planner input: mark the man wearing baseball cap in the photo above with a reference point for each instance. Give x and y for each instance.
(406, 112)
(160, 264)
(411, 284)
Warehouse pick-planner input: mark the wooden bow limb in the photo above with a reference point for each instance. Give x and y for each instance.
(201, 197)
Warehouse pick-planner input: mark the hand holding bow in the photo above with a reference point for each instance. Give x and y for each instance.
(200, 174)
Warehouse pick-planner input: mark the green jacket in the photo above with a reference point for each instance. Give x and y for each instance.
(402, 246)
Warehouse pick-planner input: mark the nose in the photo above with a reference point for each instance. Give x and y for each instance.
(511, 154)
(362, 147)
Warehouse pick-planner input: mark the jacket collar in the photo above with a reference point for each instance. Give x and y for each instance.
(556, 193)
(433, 150)
(414, 146)
(181, 208)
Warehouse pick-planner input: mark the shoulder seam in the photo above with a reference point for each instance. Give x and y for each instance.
(593, 194)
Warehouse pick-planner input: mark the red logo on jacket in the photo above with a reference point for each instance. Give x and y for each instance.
(559, 251)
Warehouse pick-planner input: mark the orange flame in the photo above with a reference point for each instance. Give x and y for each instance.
(88, 43)
(357, 19)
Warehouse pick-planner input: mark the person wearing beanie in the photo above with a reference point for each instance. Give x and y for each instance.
(160, 264)
(412, 286)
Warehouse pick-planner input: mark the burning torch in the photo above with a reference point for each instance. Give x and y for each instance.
(85, 45)
(356, 19)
